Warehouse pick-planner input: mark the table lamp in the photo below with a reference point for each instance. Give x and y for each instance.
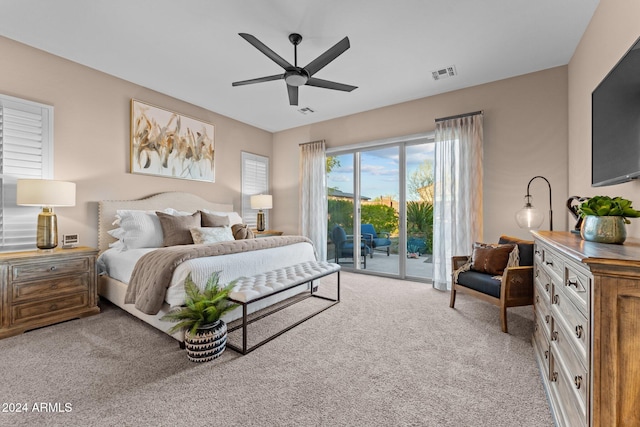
(46, 193)
(260, 202)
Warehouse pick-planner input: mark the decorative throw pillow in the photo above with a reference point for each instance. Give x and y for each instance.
(242, 231)
(211, 234)
(177, 229)
(491, 259)
(213, 220)
(234, 217)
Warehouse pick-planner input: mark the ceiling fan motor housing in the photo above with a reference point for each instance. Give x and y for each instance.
(296, 77)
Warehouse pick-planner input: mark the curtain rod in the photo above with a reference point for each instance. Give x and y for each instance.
(312, 142)
(459, 116)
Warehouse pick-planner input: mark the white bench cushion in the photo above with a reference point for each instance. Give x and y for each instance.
(250, 288)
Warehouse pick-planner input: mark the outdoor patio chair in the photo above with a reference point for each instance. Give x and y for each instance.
(373, 240)
(344, 246)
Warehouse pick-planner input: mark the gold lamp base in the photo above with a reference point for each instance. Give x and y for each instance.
(47, 234)
(260, 221)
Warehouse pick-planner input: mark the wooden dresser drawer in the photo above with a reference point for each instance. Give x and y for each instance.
(23, 291)
(575, 324)
(47, 308)
(541, 346)
(577, 282)
(37, 270)
(542, 311)
(543, 283)
(573, 363)
(571, 408)
(553, 264)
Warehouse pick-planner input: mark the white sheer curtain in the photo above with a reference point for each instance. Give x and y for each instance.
(457, 210)
(313, 196)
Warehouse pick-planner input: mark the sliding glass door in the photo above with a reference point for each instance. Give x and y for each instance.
(380, 208)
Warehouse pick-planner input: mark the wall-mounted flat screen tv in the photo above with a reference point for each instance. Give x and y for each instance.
(615, 144)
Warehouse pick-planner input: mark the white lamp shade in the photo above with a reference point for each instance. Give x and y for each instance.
(261, 201)
(529, 217)
(45, 192)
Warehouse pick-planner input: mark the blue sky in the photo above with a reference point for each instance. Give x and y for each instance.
(379, 169)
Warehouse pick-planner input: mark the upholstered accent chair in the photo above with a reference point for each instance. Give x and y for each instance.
(375, 241)
(491, 274)
(344, 246)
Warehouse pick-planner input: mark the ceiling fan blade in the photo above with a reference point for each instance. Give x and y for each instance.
(330, 85)
(264, 49)
(293, 94)
(331, 54)
(258, 80)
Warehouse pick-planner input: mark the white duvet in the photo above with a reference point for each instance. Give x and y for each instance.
(119, 265)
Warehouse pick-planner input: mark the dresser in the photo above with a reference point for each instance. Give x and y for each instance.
(587, 328)
(39, 288)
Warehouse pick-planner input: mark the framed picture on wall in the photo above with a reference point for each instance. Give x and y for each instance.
(165, 143)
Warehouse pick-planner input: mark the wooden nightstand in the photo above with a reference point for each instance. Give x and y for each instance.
(40, 288)
(267, 233)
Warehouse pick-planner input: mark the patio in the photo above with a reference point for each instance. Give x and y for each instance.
(381, 263)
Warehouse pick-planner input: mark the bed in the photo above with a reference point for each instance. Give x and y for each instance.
(117, 263)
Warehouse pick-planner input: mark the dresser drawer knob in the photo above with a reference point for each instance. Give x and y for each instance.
(537, 299)
(579, 331)
(549, 263)
(546, 354)
(546, 318)
(537, 273)
(52, 268)
(554, 336)
(577, 380)
(546, 287)
(556, 299)
(572, 283)
(554, 376)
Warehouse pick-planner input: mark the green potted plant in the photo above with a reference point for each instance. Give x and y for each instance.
(205, 334)
(604, 219)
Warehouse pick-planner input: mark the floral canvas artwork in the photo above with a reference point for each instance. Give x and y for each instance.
(169, 144)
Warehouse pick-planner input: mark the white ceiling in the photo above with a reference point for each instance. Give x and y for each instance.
(191, 50)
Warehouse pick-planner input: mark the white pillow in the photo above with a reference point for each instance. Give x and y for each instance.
(138, 229)
(234, 217)
(211, 234)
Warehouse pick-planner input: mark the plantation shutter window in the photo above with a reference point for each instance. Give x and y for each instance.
(255, 180)
(26, 151)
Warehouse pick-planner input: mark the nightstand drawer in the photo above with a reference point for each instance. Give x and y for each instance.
(29, 311)
(37, 270)
(567, 389)
(57, 286)
(573, 322)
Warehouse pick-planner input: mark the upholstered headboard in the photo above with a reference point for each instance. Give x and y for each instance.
(177, 200)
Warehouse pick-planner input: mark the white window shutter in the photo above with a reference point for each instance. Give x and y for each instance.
(255, 180)
(26, 151)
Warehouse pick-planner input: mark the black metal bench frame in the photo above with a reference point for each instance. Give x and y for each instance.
(295, 299)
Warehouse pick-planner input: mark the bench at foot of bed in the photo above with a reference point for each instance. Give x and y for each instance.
(249, 290)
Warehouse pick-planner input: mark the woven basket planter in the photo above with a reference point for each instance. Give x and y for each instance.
(207, 343)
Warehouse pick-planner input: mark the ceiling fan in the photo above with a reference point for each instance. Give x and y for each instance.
(295, 76)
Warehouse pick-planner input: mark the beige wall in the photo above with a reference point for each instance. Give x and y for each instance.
(613, 29)
(91, 135)
(525, 134)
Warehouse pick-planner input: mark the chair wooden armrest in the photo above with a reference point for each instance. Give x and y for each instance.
(517, 286)
(458, 261)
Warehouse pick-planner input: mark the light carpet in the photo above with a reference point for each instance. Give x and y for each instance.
(392, 353)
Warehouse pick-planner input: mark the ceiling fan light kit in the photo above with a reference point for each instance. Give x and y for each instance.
(295, 76)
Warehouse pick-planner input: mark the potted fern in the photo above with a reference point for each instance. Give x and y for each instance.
(205, 334)
(605, 219)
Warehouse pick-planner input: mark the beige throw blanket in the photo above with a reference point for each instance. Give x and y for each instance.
(152, 275)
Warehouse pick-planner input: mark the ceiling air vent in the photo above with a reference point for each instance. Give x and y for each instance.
(306, 110)
(444, 73)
